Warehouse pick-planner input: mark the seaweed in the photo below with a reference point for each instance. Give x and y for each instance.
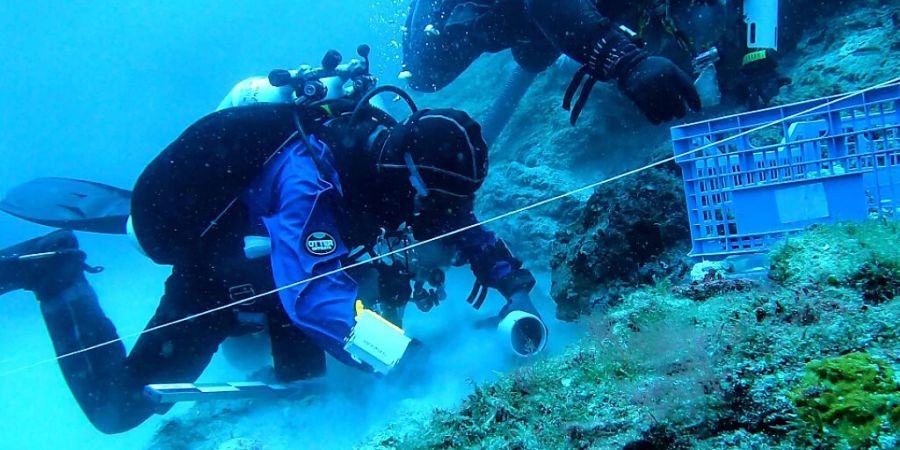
(854, 397)
(658, 370)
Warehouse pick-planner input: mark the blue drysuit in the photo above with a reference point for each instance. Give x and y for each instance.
(295, 198)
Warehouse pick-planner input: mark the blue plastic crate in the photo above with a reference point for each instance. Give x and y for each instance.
(838, 163)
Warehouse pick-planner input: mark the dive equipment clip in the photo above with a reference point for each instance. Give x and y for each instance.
(707, 82)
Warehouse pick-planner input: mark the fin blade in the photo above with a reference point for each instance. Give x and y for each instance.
(70, 203)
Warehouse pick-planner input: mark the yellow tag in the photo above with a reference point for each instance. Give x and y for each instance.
(359, 308)
(327, 109)
(754, 56)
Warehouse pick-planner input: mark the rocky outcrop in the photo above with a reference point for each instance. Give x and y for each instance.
(749, 368)
(630, 233)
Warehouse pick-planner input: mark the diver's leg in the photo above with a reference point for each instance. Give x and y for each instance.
(52, 267)
(77, 324)
(180, 349)
(295, 355)
(107, 385)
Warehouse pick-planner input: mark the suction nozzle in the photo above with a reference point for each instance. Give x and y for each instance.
(524, 332)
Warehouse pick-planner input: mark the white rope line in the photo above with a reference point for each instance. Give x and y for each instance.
(452, 233)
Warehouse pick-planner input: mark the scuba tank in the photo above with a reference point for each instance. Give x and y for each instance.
(256, 90)
(307, 85)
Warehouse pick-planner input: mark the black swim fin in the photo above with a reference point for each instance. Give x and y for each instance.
(69, 203)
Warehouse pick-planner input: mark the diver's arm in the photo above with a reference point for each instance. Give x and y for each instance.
(442, 38)
(573, 26)
(306, 244)
(660, 89)
(495, 267)
(491, 261)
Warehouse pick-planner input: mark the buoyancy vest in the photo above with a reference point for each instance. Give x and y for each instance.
(179, 198)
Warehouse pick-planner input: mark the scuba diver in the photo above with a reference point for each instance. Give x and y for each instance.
(650, 66)
(298, 166)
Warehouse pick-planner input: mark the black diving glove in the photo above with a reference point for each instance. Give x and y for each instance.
(515, 287)
(760, 80)
(659, 88)
(521, 322)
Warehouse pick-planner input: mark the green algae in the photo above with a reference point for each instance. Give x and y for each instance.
(853, 397)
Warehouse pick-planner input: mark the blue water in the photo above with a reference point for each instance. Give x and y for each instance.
(93, 90)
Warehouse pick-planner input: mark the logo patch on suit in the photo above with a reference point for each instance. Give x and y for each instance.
(320, 244)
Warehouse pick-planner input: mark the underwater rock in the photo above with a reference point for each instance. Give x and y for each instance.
(630, 233)
(711, 278)
(855, 48)
(611, 138)
(658, 437)
(529, 234)
(849, 255)
(707, 270)
(702, 290)
(719, 373)
(539, 155)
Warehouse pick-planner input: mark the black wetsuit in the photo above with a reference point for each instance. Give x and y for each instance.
(207, 273)
(539, 31)
(108, 385)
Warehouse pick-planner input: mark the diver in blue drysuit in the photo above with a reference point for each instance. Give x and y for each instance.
(300, 196)
(319, 195)
(649, 62)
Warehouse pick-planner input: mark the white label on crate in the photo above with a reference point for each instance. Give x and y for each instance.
(802, 203)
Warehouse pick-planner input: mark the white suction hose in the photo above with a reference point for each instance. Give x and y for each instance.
(524, 333)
